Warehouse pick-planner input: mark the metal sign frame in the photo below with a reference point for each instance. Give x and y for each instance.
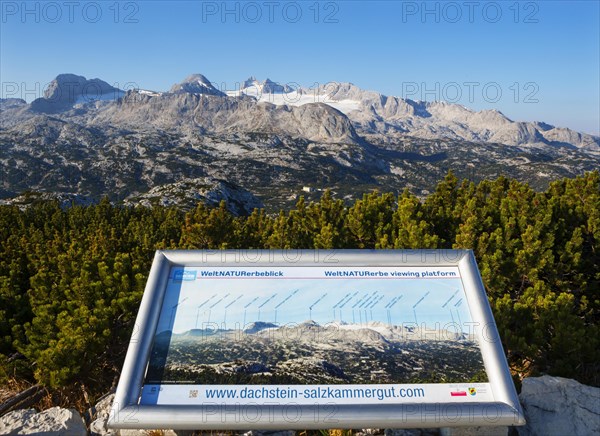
(128, 413)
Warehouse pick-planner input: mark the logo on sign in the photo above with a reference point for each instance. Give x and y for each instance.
(472, 392)
(183, 275)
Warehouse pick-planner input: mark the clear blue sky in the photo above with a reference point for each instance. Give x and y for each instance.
(543, 56)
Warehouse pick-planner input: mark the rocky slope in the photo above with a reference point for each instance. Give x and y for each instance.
(378, 114)
(89, 139)
(187, 193)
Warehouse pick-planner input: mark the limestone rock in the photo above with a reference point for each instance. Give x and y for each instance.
(52, 422)
(100, 417)
(559, 406)
(102, 410)
(196, 84)
(187, 193)
(67, 90)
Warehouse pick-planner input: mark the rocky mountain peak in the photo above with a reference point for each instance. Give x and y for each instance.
(271, 87)
(196, 84)
(249, 82)
(344, 91)
(267, 86)
(11, 103)
(62, 82)
(67, 90)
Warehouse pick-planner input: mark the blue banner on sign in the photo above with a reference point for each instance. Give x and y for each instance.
(184, 275)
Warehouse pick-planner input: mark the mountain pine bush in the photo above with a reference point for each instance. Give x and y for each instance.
(71, 279)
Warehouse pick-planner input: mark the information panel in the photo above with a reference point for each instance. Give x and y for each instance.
(315, 339)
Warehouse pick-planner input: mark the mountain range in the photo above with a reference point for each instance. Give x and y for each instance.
(263, 143)
(310, 353)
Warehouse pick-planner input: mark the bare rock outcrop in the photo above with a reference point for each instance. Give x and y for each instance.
(559, 406)
(51, 422)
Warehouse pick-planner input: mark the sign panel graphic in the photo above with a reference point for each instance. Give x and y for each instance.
(312, 334)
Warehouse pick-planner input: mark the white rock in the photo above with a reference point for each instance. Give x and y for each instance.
(559, 406)
(98, 425)
(52, 422)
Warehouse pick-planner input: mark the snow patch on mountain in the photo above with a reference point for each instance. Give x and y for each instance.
(377, 114)
(294, 97)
